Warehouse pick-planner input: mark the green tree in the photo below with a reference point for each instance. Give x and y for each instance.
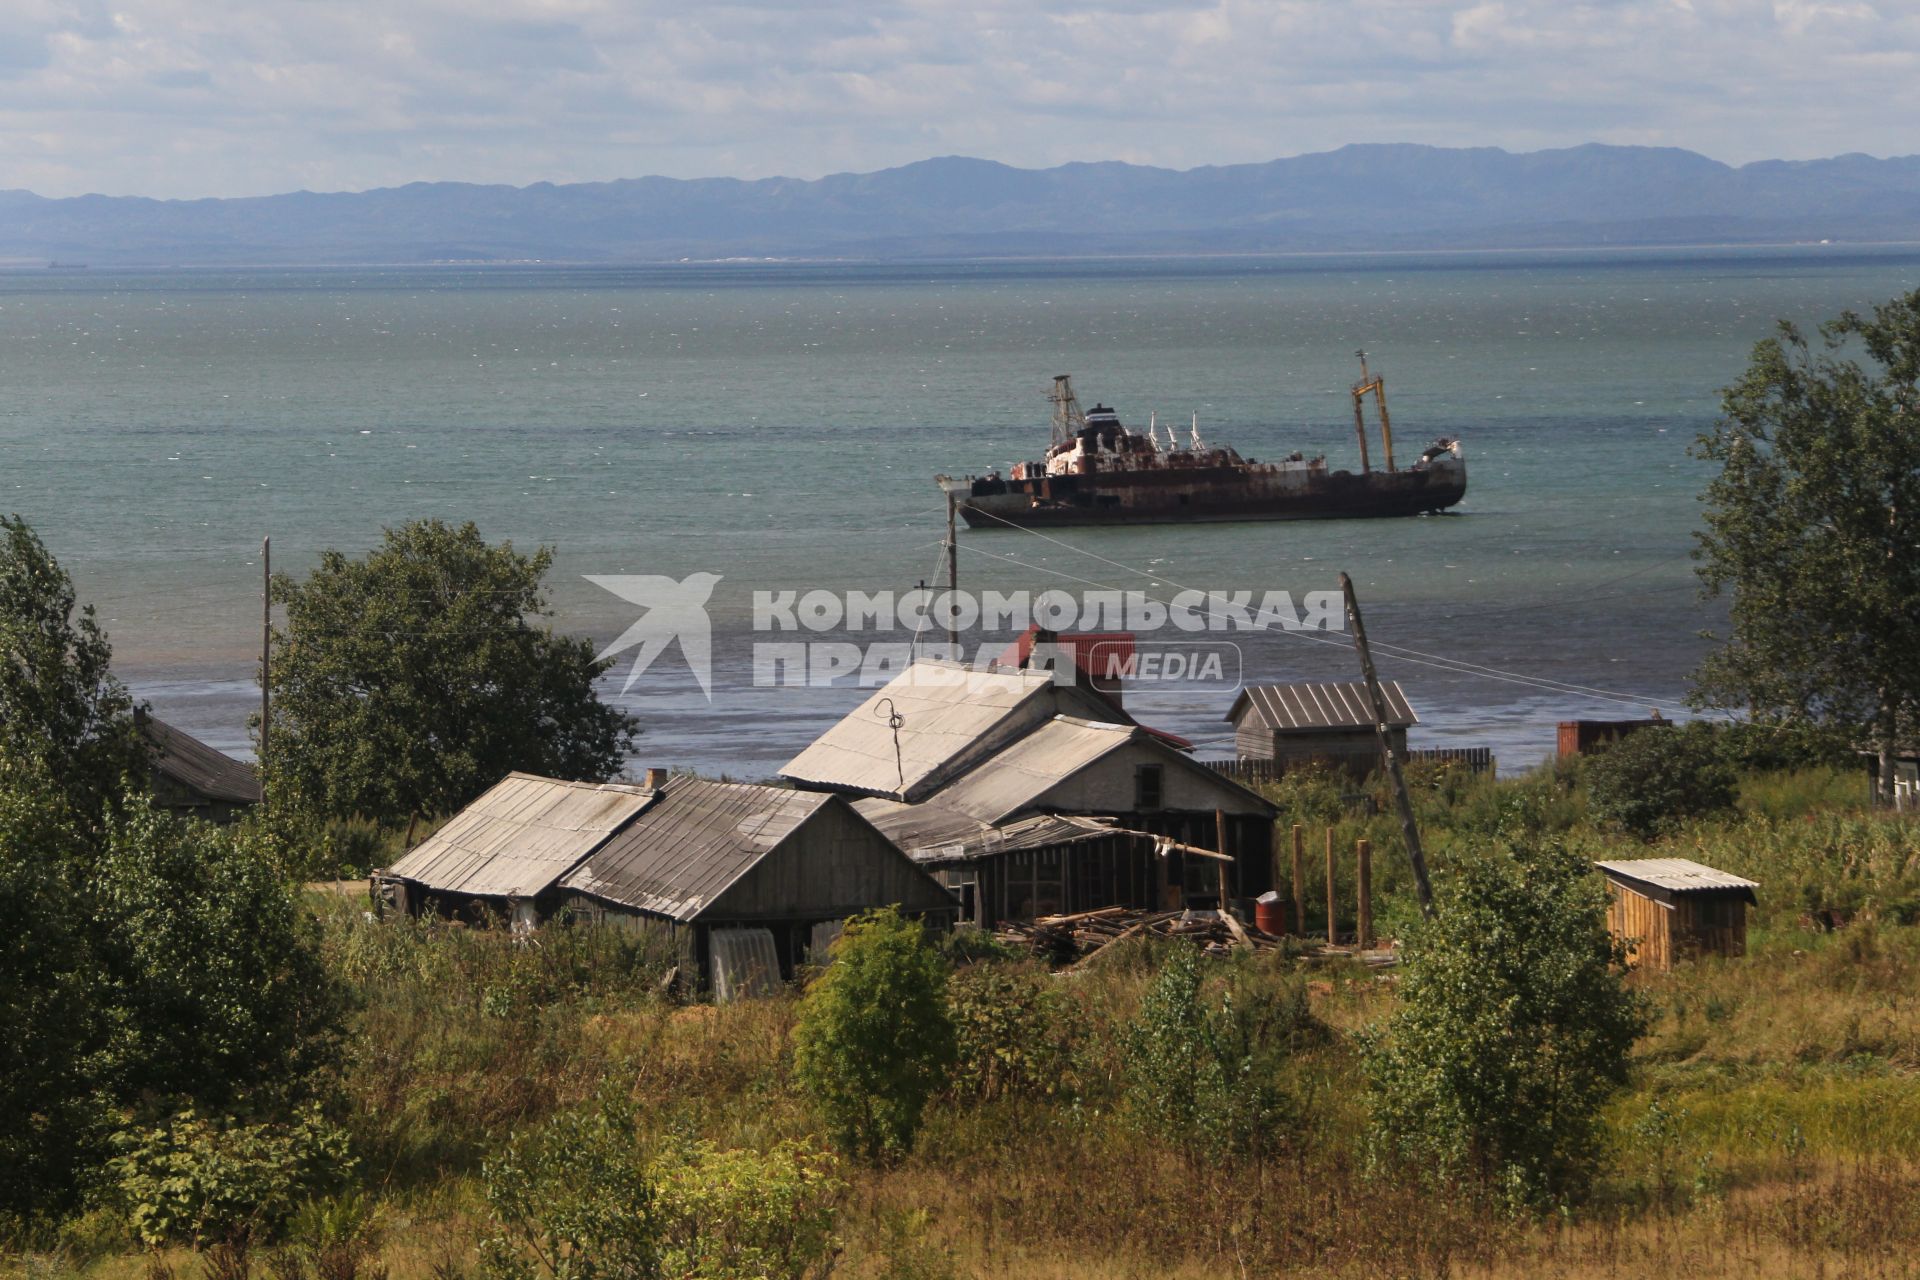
(50, 1024)
(59, 701)
(1650, 780)
(213, 975)
(1812, 523)
(1513, 1030)
(874, 1037)
(408, 682)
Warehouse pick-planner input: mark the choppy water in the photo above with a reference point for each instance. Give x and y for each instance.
(780, 425)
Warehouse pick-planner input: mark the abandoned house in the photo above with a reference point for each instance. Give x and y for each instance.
(947, 758)
(743, 879)
(751, 881)
(1671, 909)
(1332, 723)
(1578, 737)
(192, 779)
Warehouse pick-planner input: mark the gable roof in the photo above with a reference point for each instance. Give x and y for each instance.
(681, 854)
(1666, 877)
(949, 713)
(1305, 706)
(521, 836)
(192, 765)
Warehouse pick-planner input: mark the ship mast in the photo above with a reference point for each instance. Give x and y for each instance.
(1068, 420)
(1376, 386)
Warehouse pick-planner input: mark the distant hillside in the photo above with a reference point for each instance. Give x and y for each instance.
(1359, 197)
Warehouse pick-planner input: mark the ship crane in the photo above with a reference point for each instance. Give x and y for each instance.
(1376, 386)
(1068, 420)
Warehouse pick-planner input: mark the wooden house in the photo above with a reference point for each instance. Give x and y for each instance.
(1297, 723)
(1578, 737)
(192, 779)
(1671, 909)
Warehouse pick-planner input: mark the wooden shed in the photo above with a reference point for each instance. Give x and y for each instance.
(1578, 737)
(192, 779)
(1330, 722)
(1672, 909)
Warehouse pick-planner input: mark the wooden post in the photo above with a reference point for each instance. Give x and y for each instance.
(1363, 877)
(1299, 880)
(953, 579)
(1333, 939)
(1220, 846)
(266, 641)
(1409, 830)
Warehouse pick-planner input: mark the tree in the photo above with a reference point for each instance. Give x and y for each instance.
(60, 704)
(874, 1037)
(1811, 526)
(408, 682)
(1649, 780)
(1513, 1029)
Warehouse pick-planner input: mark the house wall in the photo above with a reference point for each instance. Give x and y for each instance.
(1695, 924)
(833, 865)
(1645, 925)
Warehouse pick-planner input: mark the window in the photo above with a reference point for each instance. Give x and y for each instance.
(1146, 787)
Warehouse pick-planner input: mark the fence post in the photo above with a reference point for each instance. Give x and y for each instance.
(1363, 874)
(1333, 939)
(1299, 880)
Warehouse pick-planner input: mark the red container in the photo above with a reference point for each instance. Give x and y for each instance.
(1270, 917)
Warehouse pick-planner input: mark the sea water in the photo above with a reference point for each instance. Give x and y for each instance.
(781, 424)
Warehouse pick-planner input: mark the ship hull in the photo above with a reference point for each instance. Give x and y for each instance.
(1213, 495)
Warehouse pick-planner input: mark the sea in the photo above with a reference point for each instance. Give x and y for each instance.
(781, 424)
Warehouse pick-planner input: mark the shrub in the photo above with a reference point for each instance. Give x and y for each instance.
(1196, 1075)
(1513, 1030)
(874, 1037)
(1013, 1031)
(220, 1181)
(1647, 782)
(741, 1215)
(572, 1201)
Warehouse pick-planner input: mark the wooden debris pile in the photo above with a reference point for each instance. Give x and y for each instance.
(1084, 933)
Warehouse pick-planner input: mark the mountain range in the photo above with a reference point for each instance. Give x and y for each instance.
(1362, 197)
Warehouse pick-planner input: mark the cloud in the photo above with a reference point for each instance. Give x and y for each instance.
(195, 97)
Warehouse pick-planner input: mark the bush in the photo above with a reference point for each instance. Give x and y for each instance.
(1196, 1075)
(222, 1181)
(573, 1201)
(1014, 1031)
(741, 1215)
(874, 1038)
(1512, 1032)
(1649, 781)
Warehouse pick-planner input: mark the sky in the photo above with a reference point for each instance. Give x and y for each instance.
(185, 98)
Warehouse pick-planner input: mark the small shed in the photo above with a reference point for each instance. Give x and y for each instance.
(1296, 723)
(1578, 737)
(749, 880)
(1671, 909)
(192, 779)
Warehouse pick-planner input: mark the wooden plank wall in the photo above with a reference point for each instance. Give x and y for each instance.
(1646, 926)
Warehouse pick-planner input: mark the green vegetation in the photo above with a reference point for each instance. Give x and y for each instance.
(1811, 525)
(875, 1039)
(408, 682)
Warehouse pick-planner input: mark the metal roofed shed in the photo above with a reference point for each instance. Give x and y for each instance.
(506, 850)
(190, 778)
(1307, 721)
(1671, 909)
(719, 857)
(950, 717)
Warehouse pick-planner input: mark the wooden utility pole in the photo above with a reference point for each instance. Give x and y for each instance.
(266, 642)
(953, 577)
(1378, 701)
(1363, 893)
(1333, 903)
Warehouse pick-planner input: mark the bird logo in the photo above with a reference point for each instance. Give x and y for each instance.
(675, 610)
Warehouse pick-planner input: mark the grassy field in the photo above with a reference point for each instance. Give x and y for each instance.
(1772, 1127)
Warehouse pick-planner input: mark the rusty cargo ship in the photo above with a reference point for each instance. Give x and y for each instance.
(1097, 471)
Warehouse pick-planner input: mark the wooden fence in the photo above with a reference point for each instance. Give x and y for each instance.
(1472, 759)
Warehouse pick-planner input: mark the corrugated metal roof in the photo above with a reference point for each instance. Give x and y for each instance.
(1000, 787)
(697, 839)
(187, 762)
(1342, 705)
(933, 834)
(521, 836)
(945, 709)
(1677, 875)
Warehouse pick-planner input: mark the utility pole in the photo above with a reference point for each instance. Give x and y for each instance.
(953, 576)
(1378, 702)
(266, 641)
